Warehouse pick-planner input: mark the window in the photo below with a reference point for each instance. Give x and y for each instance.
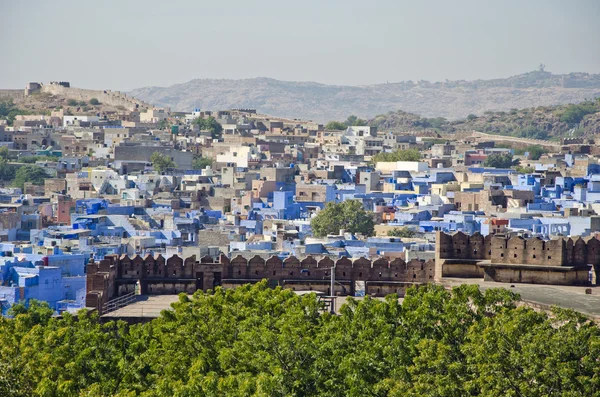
(501, 255)
(515, 255)
(549, 257)
(534, 257)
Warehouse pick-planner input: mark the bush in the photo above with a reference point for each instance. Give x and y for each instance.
(398, 155)
(573, 114)
(82, 103)
(72, 102)
(94, 102)
(401, 232)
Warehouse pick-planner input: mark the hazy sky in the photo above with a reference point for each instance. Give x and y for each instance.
(126, 44)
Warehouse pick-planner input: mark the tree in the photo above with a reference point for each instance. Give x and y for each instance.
(536, 151)
(94, 102)
(573, 114)
(72, 102)
(82, 103)
(161, 162)
(499, 160)
(256, 340)
(348, 215)
(471, 117)
(30, 173)
(352, 120)
(398, 155)
(163, 124)
(4, 152)
(201, 163)
(210, 124)
(401, 232)
(524, 170)
(335, 126)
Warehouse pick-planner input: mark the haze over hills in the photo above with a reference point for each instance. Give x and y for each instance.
(321, 102)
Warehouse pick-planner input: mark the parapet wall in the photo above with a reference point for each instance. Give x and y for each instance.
(11, 95)
(563, 261)
(115, 276)
(564, 251)
(108, 97)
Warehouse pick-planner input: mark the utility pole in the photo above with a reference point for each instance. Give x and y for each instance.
(332, 291)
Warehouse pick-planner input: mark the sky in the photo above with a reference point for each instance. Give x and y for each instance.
(126, 44)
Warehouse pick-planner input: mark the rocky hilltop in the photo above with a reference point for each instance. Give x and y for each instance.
(321, 102)
(541, 123)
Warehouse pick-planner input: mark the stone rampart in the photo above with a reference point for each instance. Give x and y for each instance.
(115, 276)
(108, 97)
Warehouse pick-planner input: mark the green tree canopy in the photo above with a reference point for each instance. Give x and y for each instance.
(257, 341)
(30, 173)
(499, 160)
(161, 162)
(352, 120)
(401, 232)
(209, 124)
(94, 101)
(72, 102)
(573, 114)
(348, 215)
(398, 155)
(335, 126)
(201, 163)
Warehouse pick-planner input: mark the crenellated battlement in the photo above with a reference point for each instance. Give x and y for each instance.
(118, 275)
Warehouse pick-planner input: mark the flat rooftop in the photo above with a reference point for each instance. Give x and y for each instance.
(568, 297)
(147, 307)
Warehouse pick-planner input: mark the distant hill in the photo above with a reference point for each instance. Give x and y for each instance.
(321, 102)
(542, 122)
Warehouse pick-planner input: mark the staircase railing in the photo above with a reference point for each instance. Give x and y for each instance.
(118, 302)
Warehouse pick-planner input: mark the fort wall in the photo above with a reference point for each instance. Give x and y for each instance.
(108, 97)
(114, 276)
(565, 260)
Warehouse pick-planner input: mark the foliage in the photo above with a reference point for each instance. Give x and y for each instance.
(401, 232)
(72, 102)
(348, 215)
(335, 125)
(398, 155)
(471, 117)
(34, 159)
(29, 173)
(164, 124)
(524, 170)
(94, 102)
(9, 111)
(352, 120)
(201, 163)
(535, 152)
(209, 124)
(256, 341)
(82, 103)
(531, 132)
(499, 160)
(573, 114)
(161, 162)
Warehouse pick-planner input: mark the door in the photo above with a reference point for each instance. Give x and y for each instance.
(217, 279)
(199, 281)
